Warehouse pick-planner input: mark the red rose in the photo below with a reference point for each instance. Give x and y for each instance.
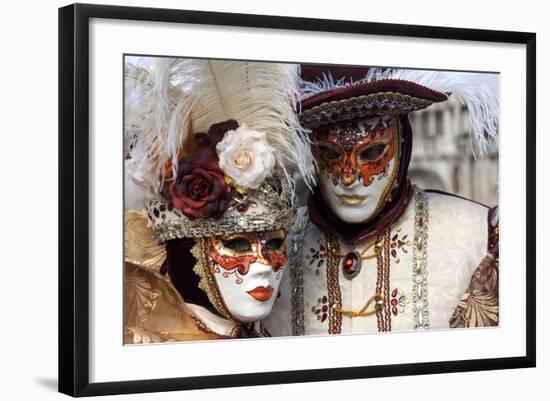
(200, 190)
(201, 193)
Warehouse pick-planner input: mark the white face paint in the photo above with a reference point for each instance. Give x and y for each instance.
(251, 299)
(247, 270)
(357, 203)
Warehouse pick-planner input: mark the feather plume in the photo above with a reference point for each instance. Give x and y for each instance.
(479, 92)
(176, 97)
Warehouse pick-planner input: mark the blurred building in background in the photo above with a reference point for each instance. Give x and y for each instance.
(442, 156)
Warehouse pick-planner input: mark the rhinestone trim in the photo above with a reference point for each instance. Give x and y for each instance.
(201, 228)
(420, 262)
(278, 212)
(297, 276)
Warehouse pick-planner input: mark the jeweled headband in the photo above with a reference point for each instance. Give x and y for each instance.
(270, 207)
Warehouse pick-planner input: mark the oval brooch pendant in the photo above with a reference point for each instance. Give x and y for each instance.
(351, 265)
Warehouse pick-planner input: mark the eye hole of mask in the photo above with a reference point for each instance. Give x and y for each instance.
(373, 152)
(238, 244)
(274, 243)
(329, 153)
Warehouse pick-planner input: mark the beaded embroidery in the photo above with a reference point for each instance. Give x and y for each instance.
(420, 261)
(297, 276)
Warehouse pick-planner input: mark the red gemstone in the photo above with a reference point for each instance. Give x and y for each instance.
(394, 310)
(393, 302)
(242, 207)
(394, 293)
(351, 264)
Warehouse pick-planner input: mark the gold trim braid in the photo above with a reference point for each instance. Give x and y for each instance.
(383, 311)
(333, 285)
(386, 281)
(379, 104)
(204, 268)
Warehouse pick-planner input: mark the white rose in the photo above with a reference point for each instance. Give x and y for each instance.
(245, 157)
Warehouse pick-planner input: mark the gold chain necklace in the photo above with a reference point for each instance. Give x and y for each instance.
(377, 303)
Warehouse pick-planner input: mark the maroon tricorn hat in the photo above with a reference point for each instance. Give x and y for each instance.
(361, 99)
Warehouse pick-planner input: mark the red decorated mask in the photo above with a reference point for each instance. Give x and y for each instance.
(358, 164)
(359, 150)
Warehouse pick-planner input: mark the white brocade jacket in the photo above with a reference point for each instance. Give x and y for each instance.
(414, 277)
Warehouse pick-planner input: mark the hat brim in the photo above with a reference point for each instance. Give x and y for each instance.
(365, 99)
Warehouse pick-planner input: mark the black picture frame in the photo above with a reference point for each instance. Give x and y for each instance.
(74, 198)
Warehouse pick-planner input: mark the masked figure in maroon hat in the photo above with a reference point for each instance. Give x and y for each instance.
(373, 252)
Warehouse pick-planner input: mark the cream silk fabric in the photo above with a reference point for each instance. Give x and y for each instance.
(457, 242)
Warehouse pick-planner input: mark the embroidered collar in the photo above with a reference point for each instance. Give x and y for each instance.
(208, 322)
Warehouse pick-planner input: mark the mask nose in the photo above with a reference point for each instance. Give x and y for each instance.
(261, 269)
(349, 171)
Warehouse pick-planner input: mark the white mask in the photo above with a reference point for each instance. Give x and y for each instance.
(358, 166)
(244, 273)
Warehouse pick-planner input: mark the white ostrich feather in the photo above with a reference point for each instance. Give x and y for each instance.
(480, 93)
(174, 97)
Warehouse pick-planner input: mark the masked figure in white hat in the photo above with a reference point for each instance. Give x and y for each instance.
(372, 252)
(212, 146)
